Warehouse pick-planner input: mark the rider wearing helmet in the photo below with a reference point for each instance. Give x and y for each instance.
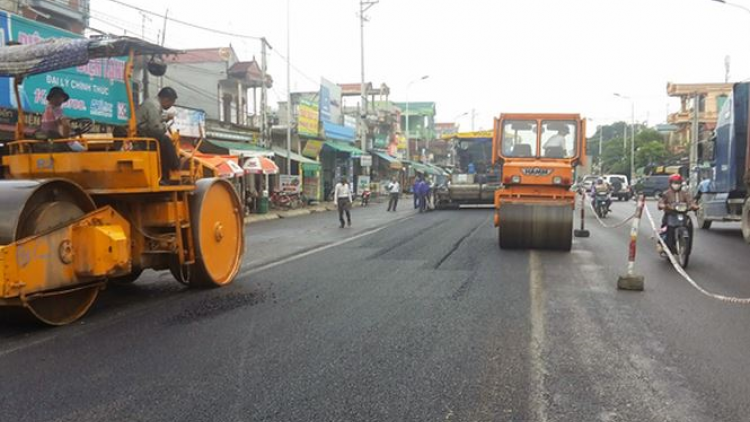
(599, 187)
(675, 194)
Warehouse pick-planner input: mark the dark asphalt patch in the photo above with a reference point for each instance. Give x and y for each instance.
(458, 244)
(216, 306)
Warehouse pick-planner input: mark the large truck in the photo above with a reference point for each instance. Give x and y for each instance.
(723, 190)
(474, 179)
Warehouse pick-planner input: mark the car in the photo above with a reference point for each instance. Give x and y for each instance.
(588, 181)
(620, 187)
(652, 185)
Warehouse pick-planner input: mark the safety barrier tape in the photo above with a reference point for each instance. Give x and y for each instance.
(605, 225)
(685, 275)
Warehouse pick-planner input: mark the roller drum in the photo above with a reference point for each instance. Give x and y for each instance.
(524, 226)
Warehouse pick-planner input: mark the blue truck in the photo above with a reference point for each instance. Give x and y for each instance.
(725, 178)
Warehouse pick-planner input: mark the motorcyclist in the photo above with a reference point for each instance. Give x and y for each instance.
(601, 187)
(674, 195)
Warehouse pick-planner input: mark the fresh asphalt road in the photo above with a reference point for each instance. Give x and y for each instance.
(403, 317)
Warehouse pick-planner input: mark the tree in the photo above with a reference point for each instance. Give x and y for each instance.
(651, 154)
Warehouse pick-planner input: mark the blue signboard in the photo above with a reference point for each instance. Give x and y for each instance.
(97, 90)
(4, 37)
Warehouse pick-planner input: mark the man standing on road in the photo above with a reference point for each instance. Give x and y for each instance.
(422, 191)
(394, 190)
(343, 194)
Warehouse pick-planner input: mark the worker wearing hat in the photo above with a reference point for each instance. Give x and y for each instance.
(54, 124)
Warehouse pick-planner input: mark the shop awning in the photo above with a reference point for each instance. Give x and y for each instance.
(344, 147)
(260, 165)
(425, 168)
(306, 162)
(244, 149)
(393, 163)
(222, 166)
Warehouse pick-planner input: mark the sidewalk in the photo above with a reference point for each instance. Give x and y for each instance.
(277, 214)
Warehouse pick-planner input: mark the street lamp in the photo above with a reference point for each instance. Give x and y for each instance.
(407, 112)
(455, 119)
(632, 133)
(739, 6)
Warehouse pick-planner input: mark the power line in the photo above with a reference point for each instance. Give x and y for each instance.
(185, 23)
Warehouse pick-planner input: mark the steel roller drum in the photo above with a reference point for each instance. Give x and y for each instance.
(538, 226)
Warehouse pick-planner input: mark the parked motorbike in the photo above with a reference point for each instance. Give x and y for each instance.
(601, 201)
(678, 232)
(366, 197)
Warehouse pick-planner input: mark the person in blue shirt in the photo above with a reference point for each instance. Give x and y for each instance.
(472, 168)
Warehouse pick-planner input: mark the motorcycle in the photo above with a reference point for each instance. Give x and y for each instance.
(365, 197)
(678, 232)
(601, 204)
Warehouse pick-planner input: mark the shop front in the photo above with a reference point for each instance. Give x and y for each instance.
(385, 168)
(340, 160)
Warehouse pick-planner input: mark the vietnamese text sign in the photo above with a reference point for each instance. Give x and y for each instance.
(313, 148)
(363, 183)
(330, 102)
(307, 122)
(190, 122)
(97, 89)
(289, 183)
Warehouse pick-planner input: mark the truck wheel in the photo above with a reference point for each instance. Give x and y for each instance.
(701, 215)
(746, 221)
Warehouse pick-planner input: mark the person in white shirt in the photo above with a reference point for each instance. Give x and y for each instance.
(394, 190)
(555, 146)
(343, 194)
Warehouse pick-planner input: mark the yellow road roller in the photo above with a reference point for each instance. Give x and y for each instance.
(538, 153)
(74, 221)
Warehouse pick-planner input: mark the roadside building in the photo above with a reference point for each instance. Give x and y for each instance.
(708, 99)
(68, 15)
(421, 130)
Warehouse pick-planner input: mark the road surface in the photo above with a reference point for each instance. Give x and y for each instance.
(404, 317)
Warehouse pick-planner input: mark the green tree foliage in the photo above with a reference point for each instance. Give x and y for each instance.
(649, 144)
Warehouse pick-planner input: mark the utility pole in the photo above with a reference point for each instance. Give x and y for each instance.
(632, 140)
(289, 89)
(364, 6)
(694, 143)
(601, 141)
(263, 94)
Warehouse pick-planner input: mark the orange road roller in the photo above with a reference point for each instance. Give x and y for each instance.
(74, 221)
(538, 154)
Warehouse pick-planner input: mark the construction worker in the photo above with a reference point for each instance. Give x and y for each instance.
(152, 123)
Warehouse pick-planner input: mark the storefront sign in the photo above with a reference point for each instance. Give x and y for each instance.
(307, 122)
(190, 122)
(97, 89)
(363, 183)
(290, 183)
(365, 160)
(313, 148)
(330, 102)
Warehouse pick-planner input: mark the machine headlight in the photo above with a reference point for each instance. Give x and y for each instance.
(515, 179)
(557, 180)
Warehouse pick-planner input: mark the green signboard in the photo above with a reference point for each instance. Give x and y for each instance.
(97, 90)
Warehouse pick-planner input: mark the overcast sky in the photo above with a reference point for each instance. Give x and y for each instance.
(493, 56)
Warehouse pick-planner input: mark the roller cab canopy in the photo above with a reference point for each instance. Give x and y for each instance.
(62, 53)
(558, 137)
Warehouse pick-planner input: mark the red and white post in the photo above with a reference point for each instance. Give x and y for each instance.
(631, 281)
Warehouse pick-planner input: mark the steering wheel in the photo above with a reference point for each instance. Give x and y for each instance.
(84, 125)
